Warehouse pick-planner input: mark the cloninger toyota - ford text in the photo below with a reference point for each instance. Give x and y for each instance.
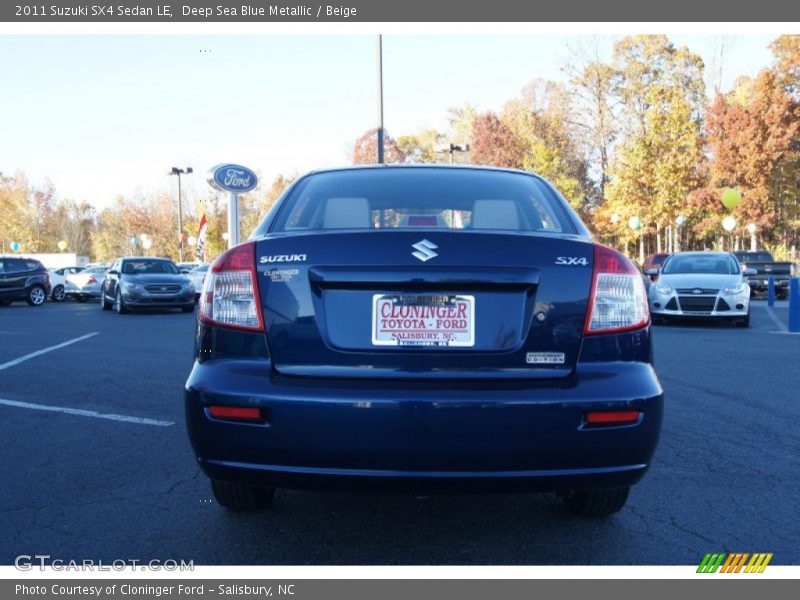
(423, 329)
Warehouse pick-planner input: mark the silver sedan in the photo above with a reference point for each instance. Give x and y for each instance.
(701, 284)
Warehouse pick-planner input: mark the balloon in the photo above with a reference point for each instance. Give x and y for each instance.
(15, 246)
(680, 220)
(192, 240)
(147, 244)
(62, 245)
(751, 228)
(182, 236)
(728, 223)
(731, 198)
(635, 223)
(134, 241)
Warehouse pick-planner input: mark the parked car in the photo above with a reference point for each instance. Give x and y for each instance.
(58, 282)
(496, 349)
(85, 284)
(145, 282)
(197, 277)
(702, 284)
(764, 265)
(654, 261)
(23, 279)
(186, 267)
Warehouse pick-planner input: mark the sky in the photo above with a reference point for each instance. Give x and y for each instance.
(101, 116)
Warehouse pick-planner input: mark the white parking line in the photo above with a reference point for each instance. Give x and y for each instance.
(87, 413)
(775, 319)
(21, 359)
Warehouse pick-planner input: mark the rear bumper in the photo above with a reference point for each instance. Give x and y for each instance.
(415, 436)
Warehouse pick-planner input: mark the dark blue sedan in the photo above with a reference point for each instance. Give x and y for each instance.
(424, 329)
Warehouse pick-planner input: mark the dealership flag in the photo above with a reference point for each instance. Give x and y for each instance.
(201, 238)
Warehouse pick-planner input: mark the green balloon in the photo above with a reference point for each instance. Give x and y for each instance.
(635, 223)
(731, 198)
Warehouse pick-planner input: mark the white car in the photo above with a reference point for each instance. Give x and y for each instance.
(701, 284)
(58, 281)
(86, 284)
(197, 277)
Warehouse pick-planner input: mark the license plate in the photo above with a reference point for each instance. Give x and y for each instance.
(423, 320)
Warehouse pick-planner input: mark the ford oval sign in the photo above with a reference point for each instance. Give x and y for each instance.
(235, 179)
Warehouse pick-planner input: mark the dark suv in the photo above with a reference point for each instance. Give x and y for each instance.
(23, 279)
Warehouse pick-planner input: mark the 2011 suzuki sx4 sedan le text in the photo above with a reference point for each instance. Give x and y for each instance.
(424, 329)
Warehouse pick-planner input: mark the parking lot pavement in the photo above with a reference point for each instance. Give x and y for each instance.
(86, 485)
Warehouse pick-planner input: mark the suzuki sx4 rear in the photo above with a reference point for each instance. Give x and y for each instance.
(423, 329)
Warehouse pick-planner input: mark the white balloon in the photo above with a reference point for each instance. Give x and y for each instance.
(147, 243)
(729, 223)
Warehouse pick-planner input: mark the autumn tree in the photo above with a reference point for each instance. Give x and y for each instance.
(421, 147)
(658, 158)
(494, 143)
(365, 149)
(752, 139)
(541, 120)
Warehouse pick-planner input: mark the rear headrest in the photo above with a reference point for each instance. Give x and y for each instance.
(346, 213)
(495, 214)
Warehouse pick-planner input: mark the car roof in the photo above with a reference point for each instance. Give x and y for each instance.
(421, 166)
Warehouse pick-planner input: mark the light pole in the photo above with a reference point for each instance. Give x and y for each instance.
(380, 99)
(179, 172)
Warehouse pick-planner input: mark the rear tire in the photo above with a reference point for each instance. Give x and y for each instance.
(5, 302)
(597, 503)
(58, 294)
(240, 497)
(36, 295)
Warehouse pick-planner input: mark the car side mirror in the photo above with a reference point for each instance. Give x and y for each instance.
(185, 271)
(750, 271)
(113, 272)
(651, 272)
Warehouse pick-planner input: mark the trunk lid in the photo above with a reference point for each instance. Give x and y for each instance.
(359, 303)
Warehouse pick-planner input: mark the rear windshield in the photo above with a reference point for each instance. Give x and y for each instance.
(136, 267)
(746, 257)
(419, 198)
(701, 263)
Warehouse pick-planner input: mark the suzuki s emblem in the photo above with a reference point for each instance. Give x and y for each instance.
(424, 250)
(697, 291)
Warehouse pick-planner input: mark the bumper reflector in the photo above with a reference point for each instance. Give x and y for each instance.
(612, 418)
(235, 413)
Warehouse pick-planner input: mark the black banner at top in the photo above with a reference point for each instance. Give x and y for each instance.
(254, 11)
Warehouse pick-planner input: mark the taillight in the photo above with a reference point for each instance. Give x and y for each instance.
(618, 417)
(618, 301)
(92, 280)
(230, 291)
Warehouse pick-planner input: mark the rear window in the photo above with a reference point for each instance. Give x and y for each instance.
(410, 198)
(754, 257)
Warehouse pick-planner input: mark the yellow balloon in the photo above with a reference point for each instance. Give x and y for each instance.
(731, 198)
(62, 245)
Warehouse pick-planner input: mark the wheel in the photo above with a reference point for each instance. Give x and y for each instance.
(104, 304)
(58, 294)
(119, 303)
(82, 298)
(597, 503)
(744, 321)
(240, 497)
(5, 302)
(36, 295)
(187, 309)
